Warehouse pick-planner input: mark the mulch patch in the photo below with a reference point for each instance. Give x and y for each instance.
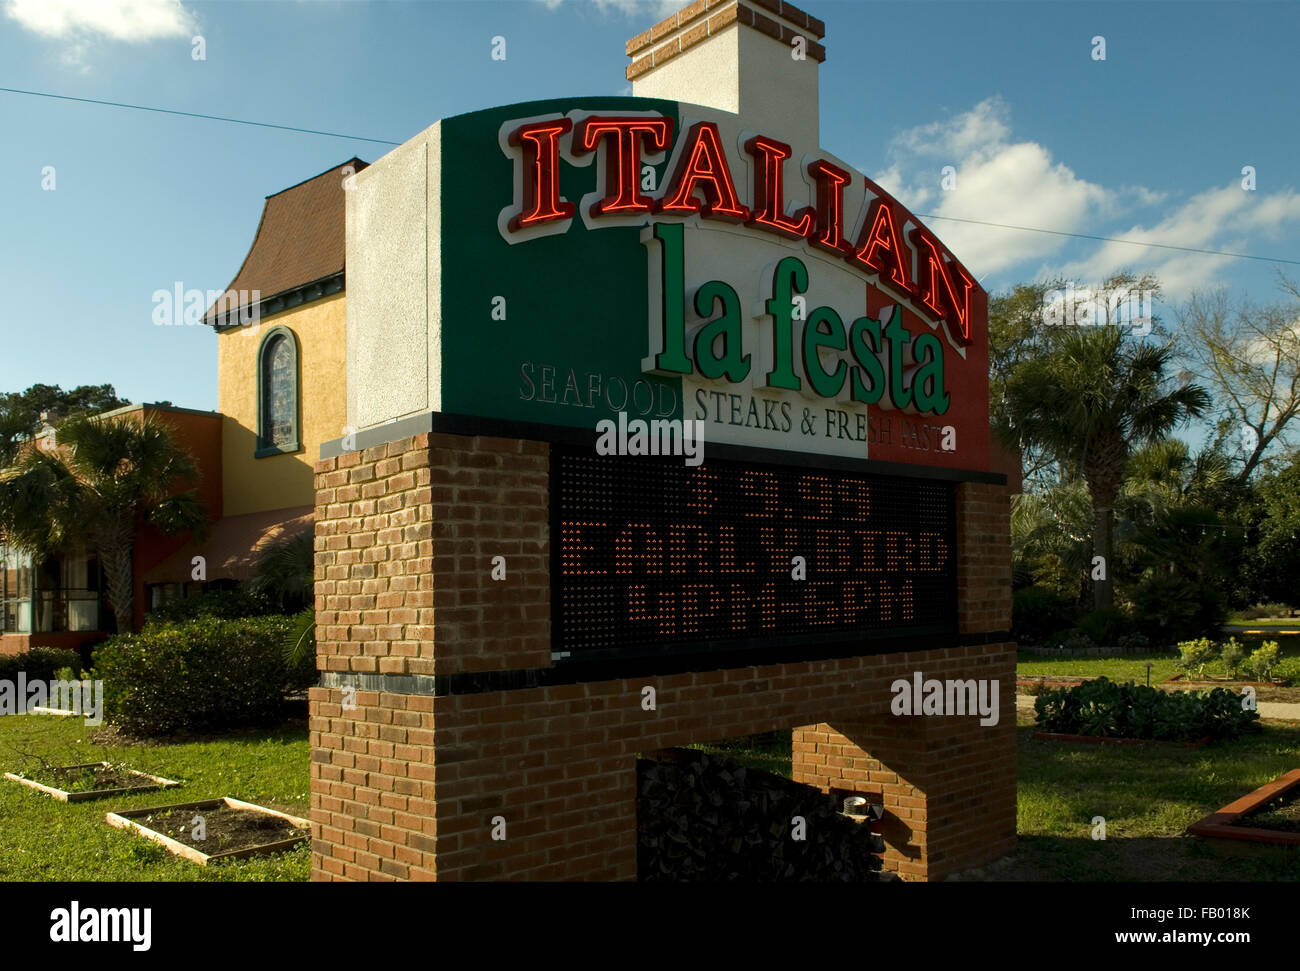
(227, 830)
(1282, 814)
(1112, 740)
(89, 778)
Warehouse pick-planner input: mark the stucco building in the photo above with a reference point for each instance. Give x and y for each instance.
(280, 333)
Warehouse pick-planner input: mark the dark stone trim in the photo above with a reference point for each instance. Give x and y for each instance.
(582, 671)
(449, 424)
(279, 302)
(985, 637)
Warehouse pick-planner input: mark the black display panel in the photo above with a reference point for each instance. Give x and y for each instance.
(653, 556)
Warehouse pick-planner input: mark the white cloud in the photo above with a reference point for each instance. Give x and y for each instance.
(131, 21)
(1225, 219)
(657, 9)
(1019, 183)
(997, 180)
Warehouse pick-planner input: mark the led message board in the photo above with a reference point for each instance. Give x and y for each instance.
(655, 556)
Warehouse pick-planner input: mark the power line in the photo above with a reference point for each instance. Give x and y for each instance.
(382, 141)
(195, 114)
(1112, 239)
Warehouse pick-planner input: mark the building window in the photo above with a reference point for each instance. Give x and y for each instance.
(15, 592)
(277, 394)
(53, 594)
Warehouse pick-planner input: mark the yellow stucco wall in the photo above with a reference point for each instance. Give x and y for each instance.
(280, 481)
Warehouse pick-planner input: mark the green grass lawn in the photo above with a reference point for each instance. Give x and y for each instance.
(1148, 795)
(1293, 623)
(44, 839)
(770, 751)
(1130, 667)
(1133, 667)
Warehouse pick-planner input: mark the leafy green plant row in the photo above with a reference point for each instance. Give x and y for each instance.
(1109, 710)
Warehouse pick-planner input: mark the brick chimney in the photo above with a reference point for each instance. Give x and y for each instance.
(757, 58)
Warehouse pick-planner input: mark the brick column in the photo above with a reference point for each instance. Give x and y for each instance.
(444, 746)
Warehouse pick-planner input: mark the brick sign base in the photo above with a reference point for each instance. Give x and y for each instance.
(446, 745)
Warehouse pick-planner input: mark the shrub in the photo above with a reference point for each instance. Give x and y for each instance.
(204, 674)
(1194, 655)
(1171, 609)
(227, 604)
(1073, 640)
(1105, 626)
(1231, 654)
(38, 663)
(1130, 710)
(1260, 611)
(1288, 672)
(1263, 660)
(1039, 612)
(1136, 641)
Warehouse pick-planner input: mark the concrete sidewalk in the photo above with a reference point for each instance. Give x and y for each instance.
(1271, 710)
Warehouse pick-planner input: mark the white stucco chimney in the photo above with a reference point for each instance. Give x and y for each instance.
(757, 58)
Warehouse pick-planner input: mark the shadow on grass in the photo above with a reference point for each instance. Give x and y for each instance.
(1148, 796)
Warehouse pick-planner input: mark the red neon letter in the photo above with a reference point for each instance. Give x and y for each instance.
(541, 146)
(769, 195)
(938, 283)
(880, 233)
(622, 157)
(703, 165)
(831, 180)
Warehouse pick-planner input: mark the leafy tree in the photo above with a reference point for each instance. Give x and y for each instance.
(105, 479)
(1276, 556)
(21, 411)
(1090, 401)
(1018, 334)
(1250, 355)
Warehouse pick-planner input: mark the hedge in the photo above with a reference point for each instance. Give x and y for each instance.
(204, 674)
(38, 663)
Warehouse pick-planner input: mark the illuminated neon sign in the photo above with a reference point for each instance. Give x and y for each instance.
(701, 184)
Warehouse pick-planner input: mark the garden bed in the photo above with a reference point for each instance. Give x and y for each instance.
(1183, 681)
(1058, 737)
(92, 780)
(1270, 814)
(233, 829)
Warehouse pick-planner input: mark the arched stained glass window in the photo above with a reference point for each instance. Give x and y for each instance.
(277, 393)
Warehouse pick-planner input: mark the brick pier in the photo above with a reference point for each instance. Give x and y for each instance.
(435, 729)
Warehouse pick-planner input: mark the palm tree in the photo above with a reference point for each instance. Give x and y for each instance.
(285, 572)
(1089, 402)
(1049, 534)
(286, 575)
(104, 480)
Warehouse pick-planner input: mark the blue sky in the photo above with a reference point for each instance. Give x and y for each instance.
(1148, 144)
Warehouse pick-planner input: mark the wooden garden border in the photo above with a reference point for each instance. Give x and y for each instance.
(65, 796)
(1222, 824)
(125, 820)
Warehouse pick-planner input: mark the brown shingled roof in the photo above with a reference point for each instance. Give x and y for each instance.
(299, 240)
